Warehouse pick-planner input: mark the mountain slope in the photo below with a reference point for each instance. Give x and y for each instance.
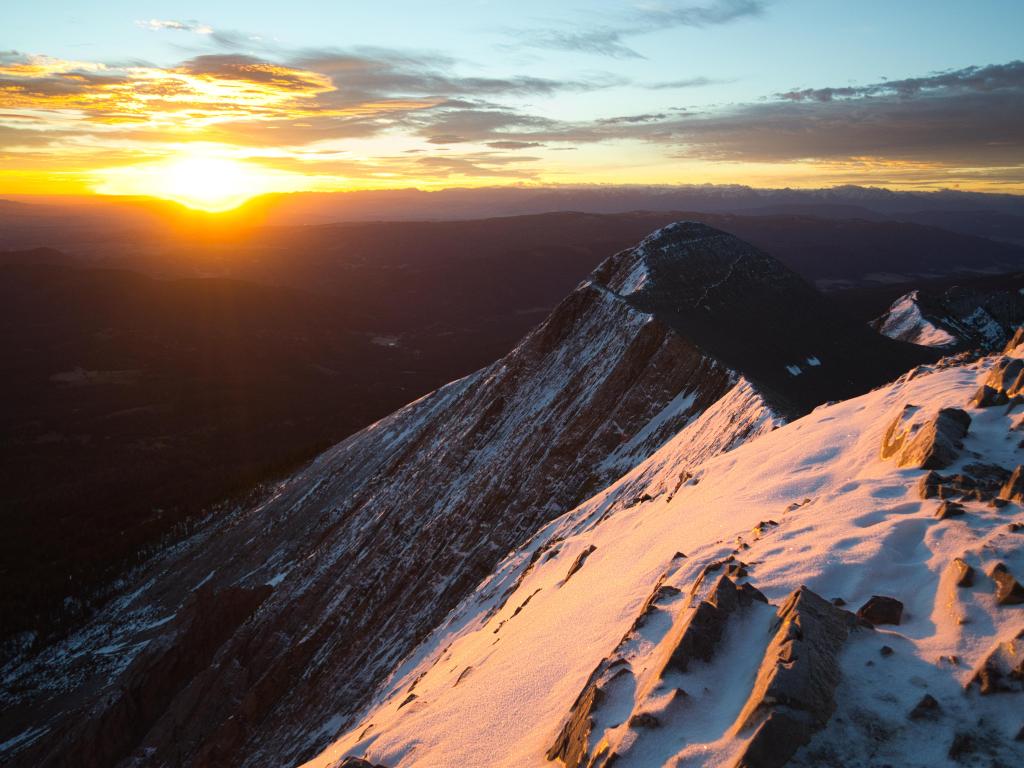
(228, 646)
(677, 618)
(959, 316)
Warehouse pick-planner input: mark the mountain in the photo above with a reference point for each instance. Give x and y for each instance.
(843, 590)
(224, 649)
(957, 317)
(203, 360)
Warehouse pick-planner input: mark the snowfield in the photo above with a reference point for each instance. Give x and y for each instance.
(809, 503)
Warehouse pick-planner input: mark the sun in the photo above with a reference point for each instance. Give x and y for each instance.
(207, 182)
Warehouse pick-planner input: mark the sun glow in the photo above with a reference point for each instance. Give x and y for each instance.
(205, 182)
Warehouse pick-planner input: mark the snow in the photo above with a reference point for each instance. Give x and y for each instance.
(813, 361)
(986, 327)
(495, 683)
(905, 322)
(635, 280)
(276, 579)
(794, 370)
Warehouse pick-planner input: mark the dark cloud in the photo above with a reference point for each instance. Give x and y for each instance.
(610, 40)
(994, 77)
(627, 119)
(513, 144)
(965, 117)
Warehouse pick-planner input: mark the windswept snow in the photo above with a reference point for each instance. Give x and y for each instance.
(494, 684)
(905, 322)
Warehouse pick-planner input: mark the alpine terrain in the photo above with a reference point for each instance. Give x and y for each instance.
(697, 516)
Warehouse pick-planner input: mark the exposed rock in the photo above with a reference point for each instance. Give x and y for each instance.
(838, 601)
(949, 509)
(1005, 381)
(881, 610)
(978, 482)
(886, 650)
(358, 762)
(1003, 669)
(644, 720)
(572, 744)
(986, 397)
(1008, 589)
(964, 573)
(159, 674)
(963, 745)
(926, 709)
(793, 696)
(702, 633)
(1015, 341)
(923, 440)
(1013, 490)
(581, 558)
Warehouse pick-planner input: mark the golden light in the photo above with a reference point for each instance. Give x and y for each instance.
(205, 182)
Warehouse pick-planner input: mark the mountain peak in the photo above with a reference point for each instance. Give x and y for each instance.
(751, 312)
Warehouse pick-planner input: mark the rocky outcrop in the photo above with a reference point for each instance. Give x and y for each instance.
(1015, 341)
(976, 482)
(158, 675)
(1005, 381)
(1013, 490)
(1002, 670)
(924, 440)
(794, 694)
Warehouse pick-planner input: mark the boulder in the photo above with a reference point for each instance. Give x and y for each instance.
(949, 509)
(644, 720)
(881, 610)
(964, 573)
(1008, 589)
(925, 440)
(1005, 381)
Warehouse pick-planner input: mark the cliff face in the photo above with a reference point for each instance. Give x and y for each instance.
(227, 647)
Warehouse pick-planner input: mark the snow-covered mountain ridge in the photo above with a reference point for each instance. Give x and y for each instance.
(258, 641)
(957, 317)
(597, 640)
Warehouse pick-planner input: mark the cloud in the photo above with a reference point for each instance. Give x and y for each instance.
(994, 77)
(513, 144)
(307, 109)
(690, 82)
(610, 40)
(182, 26)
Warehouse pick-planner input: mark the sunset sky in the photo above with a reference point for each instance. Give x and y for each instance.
(145, 98)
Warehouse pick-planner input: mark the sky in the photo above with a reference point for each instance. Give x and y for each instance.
(214, 101)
